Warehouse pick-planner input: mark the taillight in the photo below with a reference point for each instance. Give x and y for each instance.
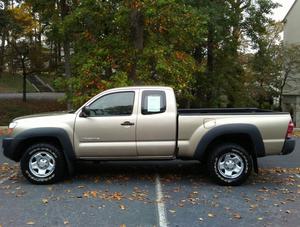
(290, 130)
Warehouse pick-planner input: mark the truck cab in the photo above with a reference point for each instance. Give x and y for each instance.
(134, 122)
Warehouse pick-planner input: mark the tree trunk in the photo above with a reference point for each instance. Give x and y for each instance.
(66, 47)
(210, 51)
(137, 33)
(198, 55)
(210, 96)
(286, 75)
(137, 28)
(24, 79)
(2, 49)
(58, 53)
(10, 47)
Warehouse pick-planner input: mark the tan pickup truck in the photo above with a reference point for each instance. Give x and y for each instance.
(143, 123)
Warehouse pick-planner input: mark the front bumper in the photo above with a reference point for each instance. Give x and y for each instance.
(289, 146)
(9, 146)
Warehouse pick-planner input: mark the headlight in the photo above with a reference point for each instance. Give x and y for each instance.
(12, 125)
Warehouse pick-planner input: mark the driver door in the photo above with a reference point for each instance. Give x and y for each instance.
(109, 130)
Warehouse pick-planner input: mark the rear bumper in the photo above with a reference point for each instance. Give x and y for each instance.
(9, 146)
(289, 146)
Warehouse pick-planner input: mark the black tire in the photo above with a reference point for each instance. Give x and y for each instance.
(237, 156)
(47, 152)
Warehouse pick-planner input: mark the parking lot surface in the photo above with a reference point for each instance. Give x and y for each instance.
(168, 193)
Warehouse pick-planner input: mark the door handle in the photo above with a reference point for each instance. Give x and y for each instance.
(127, 123)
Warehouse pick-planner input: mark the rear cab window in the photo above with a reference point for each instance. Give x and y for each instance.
(153, 102)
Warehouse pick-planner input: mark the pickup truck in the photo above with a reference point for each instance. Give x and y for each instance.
(143, 123)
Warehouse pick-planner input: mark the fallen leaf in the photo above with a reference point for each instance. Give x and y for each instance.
(237, 216)
(181, 205)
(45, 201)
(122, 207)
(30, 223)
(253, 206)
(117, 196)
(210, 215)
(66, 222)
(122, 225)
(94, 194)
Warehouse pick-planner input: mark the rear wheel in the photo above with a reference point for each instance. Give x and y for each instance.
(229, 164)
(43, 164)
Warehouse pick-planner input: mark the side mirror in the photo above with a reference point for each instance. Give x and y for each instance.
(85, 112)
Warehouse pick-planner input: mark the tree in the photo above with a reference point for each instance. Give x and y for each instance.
(140, 42)
(264, 35)
(213, 52)
(289, 61)
(21, 27)
(4, 21)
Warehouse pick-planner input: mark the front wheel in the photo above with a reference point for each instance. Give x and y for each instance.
(42, 164)
(230, 164)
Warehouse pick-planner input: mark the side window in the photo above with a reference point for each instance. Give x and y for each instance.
(116, 104)
(153, 102)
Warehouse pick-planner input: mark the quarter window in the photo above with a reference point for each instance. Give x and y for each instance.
(153, 102)
(115, 104)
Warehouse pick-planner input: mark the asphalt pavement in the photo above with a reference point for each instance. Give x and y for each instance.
(168, 193)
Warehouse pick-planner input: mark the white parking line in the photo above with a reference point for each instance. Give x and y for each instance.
(162, 216)
(7, 178)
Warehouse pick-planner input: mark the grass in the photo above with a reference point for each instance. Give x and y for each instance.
(9, 83)
(13, 108)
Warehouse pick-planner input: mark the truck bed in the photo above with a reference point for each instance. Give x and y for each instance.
(225, 111)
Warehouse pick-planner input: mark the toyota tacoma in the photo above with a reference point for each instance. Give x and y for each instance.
(143, 123)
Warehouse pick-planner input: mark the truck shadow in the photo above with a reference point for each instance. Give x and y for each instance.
(169, 171)
(166, 170)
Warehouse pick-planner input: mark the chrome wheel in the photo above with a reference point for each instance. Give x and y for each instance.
(230, 165)
(42, 164)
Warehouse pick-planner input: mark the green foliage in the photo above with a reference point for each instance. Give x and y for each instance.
(105, 55)
(213, 53)
(9, 83)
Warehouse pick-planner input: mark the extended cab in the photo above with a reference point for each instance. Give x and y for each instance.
(143, 123)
